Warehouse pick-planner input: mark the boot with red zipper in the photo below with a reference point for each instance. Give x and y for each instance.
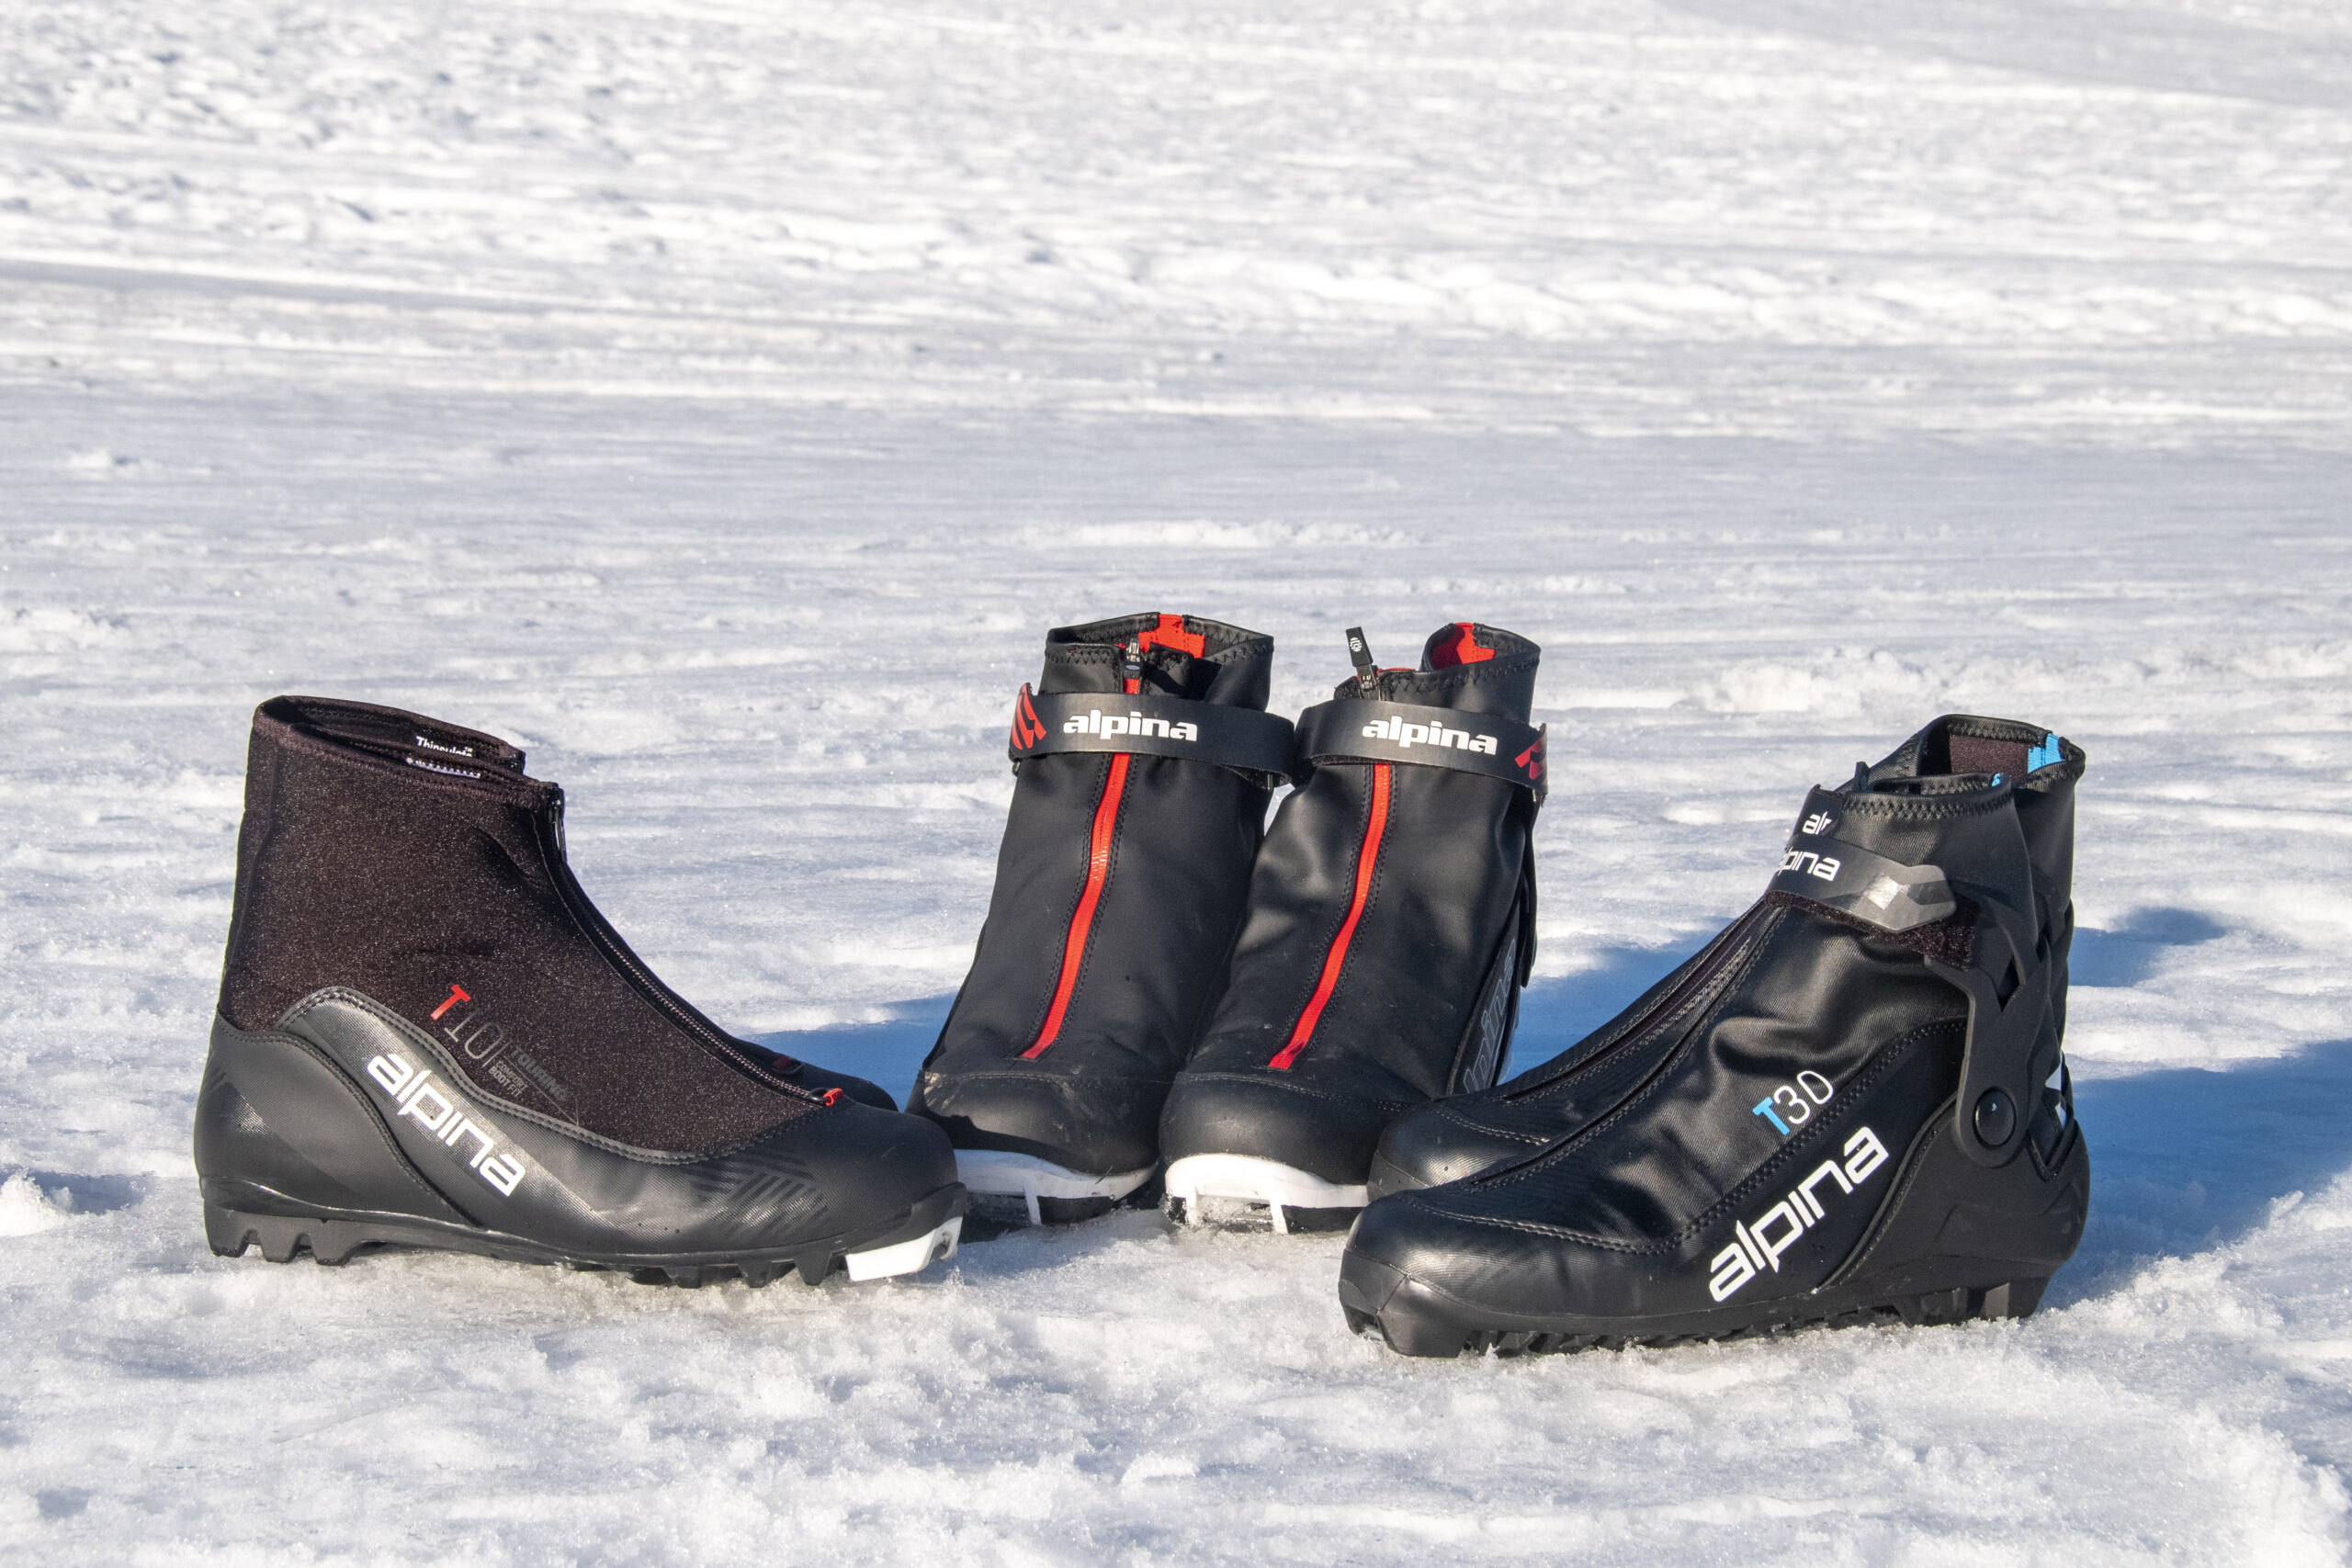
(1391, 927)
(429, 1037)
(1144, 759)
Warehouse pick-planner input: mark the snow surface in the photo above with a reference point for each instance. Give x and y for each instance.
(719, 399)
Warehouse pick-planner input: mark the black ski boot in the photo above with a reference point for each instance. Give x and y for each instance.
(1144, 759)
(1851, 1106)
(429, 1037)
(1462, 1134)
(1391, 925)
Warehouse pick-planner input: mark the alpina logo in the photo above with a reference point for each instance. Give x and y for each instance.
(1408, 736)
(1822, 866)
(1094, 721)
(422, 1100)
(1761, 1246)
(1532, 760)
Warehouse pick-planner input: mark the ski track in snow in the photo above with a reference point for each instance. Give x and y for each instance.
(720, 399)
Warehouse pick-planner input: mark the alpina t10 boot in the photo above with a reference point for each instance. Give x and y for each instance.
(429, 1037)
(1391, 926)
(1851, 1106)
(1461, 1136)
(1144, 759)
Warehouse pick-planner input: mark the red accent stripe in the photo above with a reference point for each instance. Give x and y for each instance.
(1367, 862)
(1097, 871)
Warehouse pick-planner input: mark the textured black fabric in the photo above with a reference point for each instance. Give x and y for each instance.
(413, 861)
(1452, 869)
(1182, 840)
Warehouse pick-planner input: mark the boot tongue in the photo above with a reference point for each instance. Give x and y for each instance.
(1466, 665)
(1958, 745)
(1180, 655)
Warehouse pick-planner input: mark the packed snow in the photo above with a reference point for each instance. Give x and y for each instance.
(721, 399)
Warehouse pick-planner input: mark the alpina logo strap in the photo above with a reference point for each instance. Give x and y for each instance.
(1368, 731)
(1152, 725)
(1854, 881)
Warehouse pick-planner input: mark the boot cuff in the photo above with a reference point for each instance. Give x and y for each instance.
(1467, 665)
(1183, 655)
(390, 742)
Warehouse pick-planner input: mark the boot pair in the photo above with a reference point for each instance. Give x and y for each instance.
(1164, 982)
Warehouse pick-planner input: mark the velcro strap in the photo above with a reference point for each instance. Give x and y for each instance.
(1153, 726)
(1854, 881)
(1367, 731)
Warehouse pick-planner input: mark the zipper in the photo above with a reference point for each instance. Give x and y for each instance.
(1100, 839)
(1727, 942)
(607, 941)
(1367, 863)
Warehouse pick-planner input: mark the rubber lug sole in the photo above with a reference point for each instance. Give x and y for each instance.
(1287, 1191)
(929, 1234)
(1415, 1319)
(1048, 1192)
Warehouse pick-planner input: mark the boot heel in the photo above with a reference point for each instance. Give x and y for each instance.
(281, 1237)
(2015, 1299)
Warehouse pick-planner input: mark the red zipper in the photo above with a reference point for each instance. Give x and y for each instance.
(1082, 920)
(1367, 862)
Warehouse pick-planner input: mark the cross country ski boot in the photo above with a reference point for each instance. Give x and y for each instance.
(1391, 926)
(1461, 1136)
(429, 1037)
(1851, 1107)
(1144, 759)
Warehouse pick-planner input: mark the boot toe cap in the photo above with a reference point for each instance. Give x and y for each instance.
(868, 1168)
(1325, 1134)
(1098, 1125)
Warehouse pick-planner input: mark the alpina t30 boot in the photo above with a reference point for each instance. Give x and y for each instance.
(429, 1037)
(1391, 927)
(1145, 761)
(1461, 1136)
(1852, 1106)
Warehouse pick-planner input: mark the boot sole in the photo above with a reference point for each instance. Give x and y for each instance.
(1047, 1191)
(1417, 1319)
(1247, 1179)
(928, 1234)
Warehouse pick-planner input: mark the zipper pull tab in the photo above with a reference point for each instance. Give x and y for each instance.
(1367, 673)
(555, 819)
(1131, 667)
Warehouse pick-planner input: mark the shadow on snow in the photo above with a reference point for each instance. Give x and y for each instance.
(2182, 1158)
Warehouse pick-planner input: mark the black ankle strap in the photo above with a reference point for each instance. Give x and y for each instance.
(1152, 724)
(1860, 883)
(1362, 730)
(2006, 979)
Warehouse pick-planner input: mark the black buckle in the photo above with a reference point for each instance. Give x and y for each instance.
(2001, 1070)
